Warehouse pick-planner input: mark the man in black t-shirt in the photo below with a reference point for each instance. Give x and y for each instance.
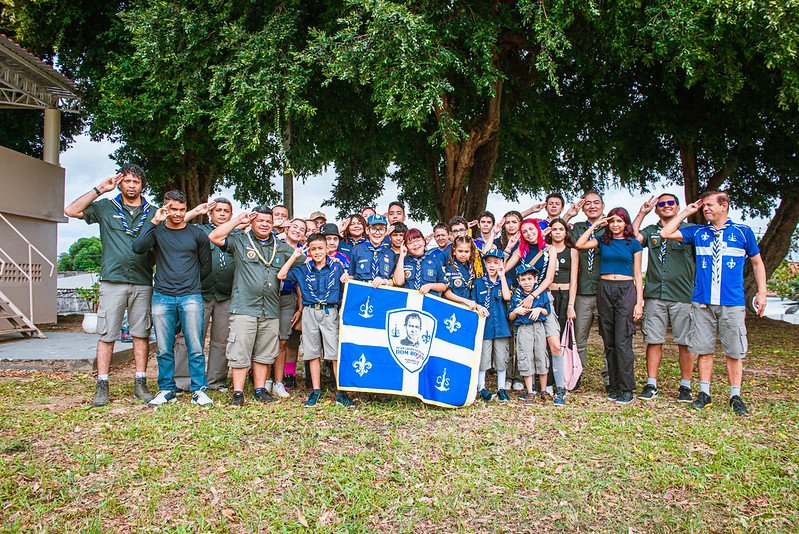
(182, 260)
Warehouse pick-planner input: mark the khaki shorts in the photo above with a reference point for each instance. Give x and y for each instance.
(531, 349)
(729, 322)
(319, 333)
(551, 325)
(115, 298)
(254, 337)
(658, 313)
(496, 351)
(288, 306)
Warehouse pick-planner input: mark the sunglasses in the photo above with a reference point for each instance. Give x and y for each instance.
(666, 203)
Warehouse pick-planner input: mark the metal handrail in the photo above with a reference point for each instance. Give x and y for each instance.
(31, 247)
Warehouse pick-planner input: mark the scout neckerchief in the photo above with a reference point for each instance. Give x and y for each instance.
(222, 262)
(331, 281)
(591, 251)
(375, 257)
(145, 210)
(457, 270)
(490, 288)
(663, 241)
(417, 275)
(258, 251)
(717, 249)
(519, 295)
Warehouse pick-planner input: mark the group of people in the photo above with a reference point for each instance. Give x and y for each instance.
(264, 284)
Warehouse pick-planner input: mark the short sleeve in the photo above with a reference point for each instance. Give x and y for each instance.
(689, 233)
(636, 246)
(752, 249)
(647, 232)
(93, 212)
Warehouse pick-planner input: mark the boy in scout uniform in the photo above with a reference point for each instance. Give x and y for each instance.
(126, 278)
(667, 293)
(255, 301)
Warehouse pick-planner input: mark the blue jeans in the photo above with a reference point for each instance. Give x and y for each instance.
(167, 313)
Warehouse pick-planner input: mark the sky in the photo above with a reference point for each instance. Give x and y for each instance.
(87, 163)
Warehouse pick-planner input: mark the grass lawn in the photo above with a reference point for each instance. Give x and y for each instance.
(403, 466)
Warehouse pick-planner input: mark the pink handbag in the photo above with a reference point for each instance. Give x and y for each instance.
(573, 365)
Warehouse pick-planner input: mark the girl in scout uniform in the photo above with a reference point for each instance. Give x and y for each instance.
(417, 270)
(463, 266)
(353, 233)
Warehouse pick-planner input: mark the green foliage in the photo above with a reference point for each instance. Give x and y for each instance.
(91, 295)
(84, 255)
(785, 281)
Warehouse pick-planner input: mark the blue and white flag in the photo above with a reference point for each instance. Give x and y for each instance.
(401, 342)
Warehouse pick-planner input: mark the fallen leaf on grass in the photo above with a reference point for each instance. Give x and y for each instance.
(229, 514)
(301, 519)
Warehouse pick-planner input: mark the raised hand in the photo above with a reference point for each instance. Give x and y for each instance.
(575, 208)
(649, 205)
(205, 208)
(535, 208)
(602, 221)
(109, 184)
(473, 223)
(693, 207)
(161, 214)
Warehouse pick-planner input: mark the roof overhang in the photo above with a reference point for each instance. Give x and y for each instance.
(27, 82)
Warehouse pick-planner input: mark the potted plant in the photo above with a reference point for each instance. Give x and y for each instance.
(91, 295)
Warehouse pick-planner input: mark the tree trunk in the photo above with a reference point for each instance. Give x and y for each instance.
(480, 181)
(776, 242)
(690, 175)
(459, 156)
(196, 181)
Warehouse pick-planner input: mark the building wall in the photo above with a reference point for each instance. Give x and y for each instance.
(32, 200)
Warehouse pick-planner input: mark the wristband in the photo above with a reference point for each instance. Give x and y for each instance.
(99, 193)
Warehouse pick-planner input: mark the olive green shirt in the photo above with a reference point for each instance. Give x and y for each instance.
(587, 280)
(673, 279)
(219, 284)
(256, 289)
(119, 262)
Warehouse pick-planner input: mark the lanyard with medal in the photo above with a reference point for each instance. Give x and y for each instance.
(258, 252)
(145, 210)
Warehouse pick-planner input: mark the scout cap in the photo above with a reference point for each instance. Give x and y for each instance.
(377, 219)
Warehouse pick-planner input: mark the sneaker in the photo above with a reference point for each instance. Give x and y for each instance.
(518, 385)
(648, 393)
(140, 390)
(268, 385)
(613, 394)
(502, 395)
(279, 390)
(625, 397)
(545, 396)
(343, 400)
(290, 382)
(560, 397)
(200, 398)
(528, 397)
(702, 401)
(738, 406)
(101, 393)
(237, 399)
(313, 398)
(262, 395)
(486, 395)
(684, 394)
(162, 397)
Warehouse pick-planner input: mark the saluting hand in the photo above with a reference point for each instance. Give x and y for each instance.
(575, 208)
(109, 184)
(602, 221)
(161, 213)
(693, 207)
(535, 208)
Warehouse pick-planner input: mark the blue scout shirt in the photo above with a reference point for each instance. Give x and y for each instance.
(441, 254)
(541, 301)
(366, 262)
(346, 247)
(459, 278)
(318, 286)
(343, 258)
(720, 258)
(421, 271)
(489, 295)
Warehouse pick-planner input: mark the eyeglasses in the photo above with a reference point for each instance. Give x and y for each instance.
(376, 230)
(663, 203)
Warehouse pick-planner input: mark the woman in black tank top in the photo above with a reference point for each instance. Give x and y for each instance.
(564, 286)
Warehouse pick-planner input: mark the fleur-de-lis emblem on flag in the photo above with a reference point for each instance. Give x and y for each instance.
(452, 324)
(362, 365)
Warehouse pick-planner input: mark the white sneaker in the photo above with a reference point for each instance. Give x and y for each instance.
(200, 398)
(517, 385)
(162, 397)
(279, 390)
(268, 386)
